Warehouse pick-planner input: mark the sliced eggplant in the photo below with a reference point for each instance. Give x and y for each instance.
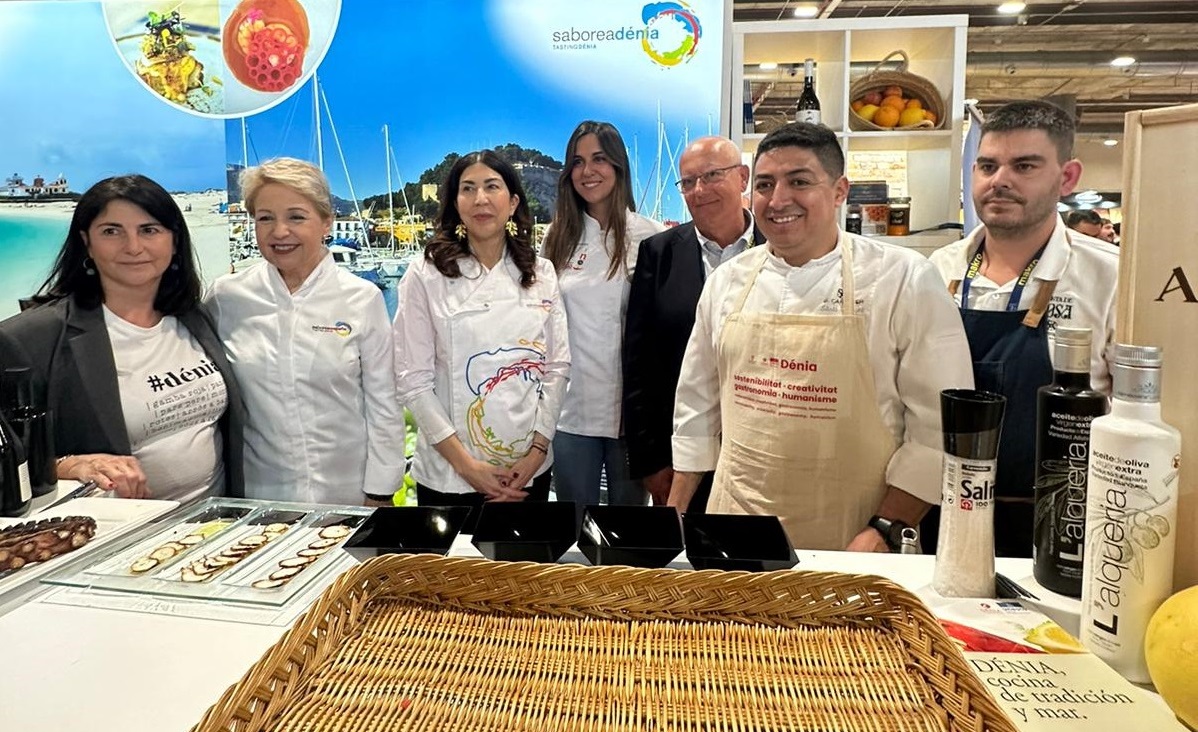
(339, 531)
(269, 584)
(297, 561)
(143, 565)
(285, 573)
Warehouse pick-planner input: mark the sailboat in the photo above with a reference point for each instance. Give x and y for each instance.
(350, 241)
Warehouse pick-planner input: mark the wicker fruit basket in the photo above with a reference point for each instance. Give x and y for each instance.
(877, 80)
(429, 643)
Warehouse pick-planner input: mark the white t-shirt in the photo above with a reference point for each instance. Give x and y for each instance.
(1086, 271)
(916, 344)
(172, 396)
(595, 308)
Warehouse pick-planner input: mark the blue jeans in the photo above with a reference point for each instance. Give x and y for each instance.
(578, 462)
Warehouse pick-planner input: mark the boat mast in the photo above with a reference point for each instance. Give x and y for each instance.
(390, 197)
(316, 121)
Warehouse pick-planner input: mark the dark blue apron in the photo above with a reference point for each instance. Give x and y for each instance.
(1010, 356)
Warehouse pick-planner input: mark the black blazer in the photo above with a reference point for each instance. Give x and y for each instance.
(68, 351)
(665, 290)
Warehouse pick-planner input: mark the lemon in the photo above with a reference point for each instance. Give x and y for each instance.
(867, 112)
(1053, 638)
(1171, 650)
(910, 116)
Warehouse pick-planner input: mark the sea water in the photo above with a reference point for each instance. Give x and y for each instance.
(28, 246)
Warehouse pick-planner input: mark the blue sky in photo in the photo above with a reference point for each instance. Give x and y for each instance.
(454, 90)
(71, 106)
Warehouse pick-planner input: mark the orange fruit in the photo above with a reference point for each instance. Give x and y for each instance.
(909, 117)
(896, 102)
(887, 116)
(892, 91)
(914, 104)
(929, 115)
(867, 112)
(857, 105)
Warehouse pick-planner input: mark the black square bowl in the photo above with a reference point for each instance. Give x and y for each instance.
(407, 530)
(726, 541)
(637, 536)
(525, 531)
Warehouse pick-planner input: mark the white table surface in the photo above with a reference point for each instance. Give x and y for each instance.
(72, 668)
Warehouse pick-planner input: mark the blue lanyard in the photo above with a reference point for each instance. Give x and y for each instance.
(1016, 292)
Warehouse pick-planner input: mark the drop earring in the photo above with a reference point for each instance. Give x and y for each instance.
(460, 231)
(175, 262)
(89, 266)
(511, 228)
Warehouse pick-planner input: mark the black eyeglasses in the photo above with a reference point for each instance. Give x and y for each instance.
(686, 185)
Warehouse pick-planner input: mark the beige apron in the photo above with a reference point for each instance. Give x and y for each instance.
(803, 437)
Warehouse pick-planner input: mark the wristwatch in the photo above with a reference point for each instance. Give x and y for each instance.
(890, 529)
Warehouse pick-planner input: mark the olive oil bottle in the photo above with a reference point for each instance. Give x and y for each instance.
(1064, 410)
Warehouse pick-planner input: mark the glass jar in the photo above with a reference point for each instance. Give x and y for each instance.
(852, 219)
(900, 217)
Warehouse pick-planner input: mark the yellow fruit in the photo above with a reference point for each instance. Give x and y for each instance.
(886, 117)
(914, 104)
(910, 117)
(897, 102)
(1053, 638)
(1171, 650)
(867, 112)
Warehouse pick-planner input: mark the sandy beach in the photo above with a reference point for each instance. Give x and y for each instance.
(25, 262)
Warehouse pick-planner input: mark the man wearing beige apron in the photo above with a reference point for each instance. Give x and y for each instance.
(811, 380)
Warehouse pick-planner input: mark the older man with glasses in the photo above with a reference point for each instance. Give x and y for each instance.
(670, 272)
(812, 378)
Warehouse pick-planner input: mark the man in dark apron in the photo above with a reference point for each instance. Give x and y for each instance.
(1004, 275)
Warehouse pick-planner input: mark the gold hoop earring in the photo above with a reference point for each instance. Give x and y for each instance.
(460, 231)
(511, 228)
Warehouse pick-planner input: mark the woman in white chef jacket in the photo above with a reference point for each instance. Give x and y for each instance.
(481, 355)
(593, 245)
(311, 345)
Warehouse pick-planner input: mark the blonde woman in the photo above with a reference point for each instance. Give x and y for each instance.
(311, 345)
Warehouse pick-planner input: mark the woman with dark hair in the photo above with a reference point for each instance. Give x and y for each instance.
(593, 245)
(311, 343)
(142, 396)
(481, 356)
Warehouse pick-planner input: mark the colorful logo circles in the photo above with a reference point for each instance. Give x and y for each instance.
(675, 32)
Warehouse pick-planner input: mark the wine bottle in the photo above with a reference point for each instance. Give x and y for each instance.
(807, 108)
(33, 424)
(1064, 410)
(1131, 514)
(750, 126)
(15, 491)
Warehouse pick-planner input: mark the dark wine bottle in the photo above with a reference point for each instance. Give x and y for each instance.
(15, 491)
(807, 108)
(1064, 410)
(33, 424)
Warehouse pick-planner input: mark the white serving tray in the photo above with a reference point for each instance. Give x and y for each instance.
(114, 517)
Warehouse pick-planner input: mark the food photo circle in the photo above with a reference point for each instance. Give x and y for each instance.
(222, 58)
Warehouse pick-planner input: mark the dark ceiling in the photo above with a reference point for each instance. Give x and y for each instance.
(1053, 49)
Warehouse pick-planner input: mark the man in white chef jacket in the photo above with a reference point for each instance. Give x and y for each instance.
(1016, 278)
(811, 380)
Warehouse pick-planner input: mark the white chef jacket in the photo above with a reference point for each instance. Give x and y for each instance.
(315, 366)
(425, 351)
(1086, 271)
(595, 308)
(917, 347)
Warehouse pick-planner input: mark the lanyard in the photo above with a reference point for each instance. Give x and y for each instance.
(1016, 291)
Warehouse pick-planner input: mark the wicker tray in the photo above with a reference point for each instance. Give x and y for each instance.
(429, 643)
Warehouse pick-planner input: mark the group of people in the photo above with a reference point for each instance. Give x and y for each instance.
(1088, 222)
(754, 360)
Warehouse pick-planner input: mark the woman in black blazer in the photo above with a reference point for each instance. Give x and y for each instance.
(143, 399)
